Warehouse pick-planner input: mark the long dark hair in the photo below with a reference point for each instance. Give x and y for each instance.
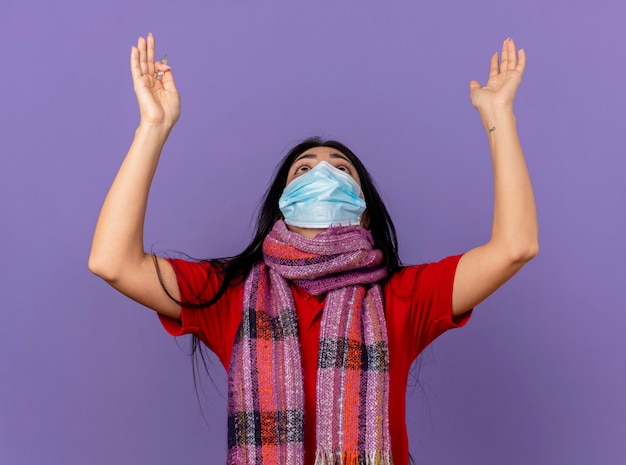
(233, 270)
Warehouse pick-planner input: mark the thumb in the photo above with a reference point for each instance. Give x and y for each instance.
(474, 85)
(166, 76)
(168, 81)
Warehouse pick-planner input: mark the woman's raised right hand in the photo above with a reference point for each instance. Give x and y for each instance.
(159, 101)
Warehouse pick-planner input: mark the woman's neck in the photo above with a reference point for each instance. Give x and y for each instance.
(309, 233)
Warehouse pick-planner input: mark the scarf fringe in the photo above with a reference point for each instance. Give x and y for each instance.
(352, 458)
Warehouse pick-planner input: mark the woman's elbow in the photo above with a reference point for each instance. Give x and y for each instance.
(523, 253)
(101, 268)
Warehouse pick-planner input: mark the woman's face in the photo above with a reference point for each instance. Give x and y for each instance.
(307, 160)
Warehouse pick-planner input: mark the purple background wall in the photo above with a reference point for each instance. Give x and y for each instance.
(89, 377)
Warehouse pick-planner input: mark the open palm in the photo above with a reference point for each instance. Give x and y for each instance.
(505, 77)
(159, 101)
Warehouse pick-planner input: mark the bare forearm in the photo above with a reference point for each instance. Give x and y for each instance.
(118, 239)
(514, 218)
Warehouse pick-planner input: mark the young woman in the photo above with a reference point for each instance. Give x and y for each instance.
(316, 322)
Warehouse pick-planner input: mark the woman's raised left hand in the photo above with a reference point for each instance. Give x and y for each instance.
(505, 76)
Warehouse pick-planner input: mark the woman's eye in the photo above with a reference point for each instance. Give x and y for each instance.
(302, 169)
(345, 169)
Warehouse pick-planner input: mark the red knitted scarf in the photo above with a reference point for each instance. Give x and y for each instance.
(266, 423)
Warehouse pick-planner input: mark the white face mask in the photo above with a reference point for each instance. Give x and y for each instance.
(322, 197)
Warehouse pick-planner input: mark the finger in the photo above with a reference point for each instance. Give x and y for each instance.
(474, 85)
(512, 55)
(168, 81)
(135, 71)
(521, 62)
(504, 64)
(150, 56)
(493, 67)
(160, 66)
(143, 55)
(160, 70)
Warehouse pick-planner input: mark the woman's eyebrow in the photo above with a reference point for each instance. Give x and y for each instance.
(313, 156)
(306, 155)
(340, 155)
